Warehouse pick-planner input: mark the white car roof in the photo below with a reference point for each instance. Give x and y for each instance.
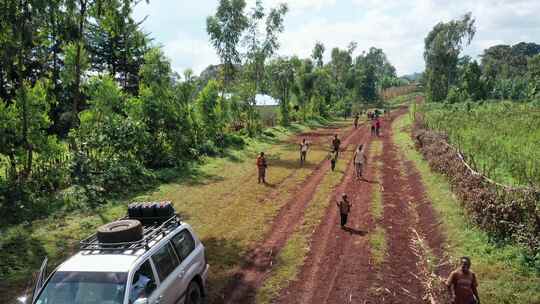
(92, 262)
(88, 261)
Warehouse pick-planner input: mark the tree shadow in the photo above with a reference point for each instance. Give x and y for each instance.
(355, 231)
(21, 255)
(223, 256)
(291, 163)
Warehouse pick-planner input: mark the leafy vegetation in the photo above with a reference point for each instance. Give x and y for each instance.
(500, 139)
(505, 275)
(90, 109)
(505, 72)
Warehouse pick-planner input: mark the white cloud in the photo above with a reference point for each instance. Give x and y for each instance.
(398, 27)
(186, 52)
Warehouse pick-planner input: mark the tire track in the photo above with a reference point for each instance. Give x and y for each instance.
(259, 261)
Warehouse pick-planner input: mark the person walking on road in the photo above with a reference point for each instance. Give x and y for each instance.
(336, 143)
(378, 127)
(373, 133)
(359, 160)
(261, 167)
(344, 207)
(333, 159)
(356, 118)
(304, 145)
(462, 284)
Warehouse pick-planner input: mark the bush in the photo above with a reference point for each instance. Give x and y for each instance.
(233, 140)
(209, 148)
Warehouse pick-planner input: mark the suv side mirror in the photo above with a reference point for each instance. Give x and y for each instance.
(141, 301)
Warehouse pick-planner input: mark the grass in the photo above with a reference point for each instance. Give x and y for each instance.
(220, 198)
(501, 138)
(377, 238)
(502, 274)
(376, 206)
(401, 100)
(292, 256)
(379, 247)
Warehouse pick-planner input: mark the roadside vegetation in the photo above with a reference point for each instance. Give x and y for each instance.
(211, 195)
(500, 139)
(504, 274)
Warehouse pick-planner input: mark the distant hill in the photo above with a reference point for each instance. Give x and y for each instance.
(412, 77)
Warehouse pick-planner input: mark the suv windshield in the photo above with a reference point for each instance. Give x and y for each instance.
(67, 287)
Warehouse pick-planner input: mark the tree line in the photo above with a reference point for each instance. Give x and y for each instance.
(90, 107)
(509, 72)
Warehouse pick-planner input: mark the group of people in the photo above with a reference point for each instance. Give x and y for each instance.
(461, 283)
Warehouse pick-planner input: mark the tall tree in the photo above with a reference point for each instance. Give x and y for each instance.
(281, 71)
(225, 29)
(318, 54)
(117, 44)
(442, 48)
(260, 46)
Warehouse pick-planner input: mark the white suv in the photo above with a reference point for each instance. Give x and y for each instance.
(147, 260)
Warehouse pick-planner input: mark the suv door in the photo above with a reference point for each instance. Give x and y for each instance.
(143, 284)
(191, 258)
(166, 263)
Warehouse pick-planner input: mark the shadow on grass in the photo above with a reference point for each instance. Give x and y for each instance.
(21, 254)
(355, 231)
(223, 256)
(290, 163)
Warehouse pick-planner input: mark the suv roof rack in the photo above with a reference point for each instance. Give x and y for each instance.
(151, 232)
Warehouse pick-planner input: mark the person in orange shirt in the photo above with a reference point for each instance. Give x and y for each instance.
(462, 284)
(261, 167)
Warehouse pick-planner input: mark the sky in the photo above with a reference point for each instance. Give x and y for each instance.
(398, 27)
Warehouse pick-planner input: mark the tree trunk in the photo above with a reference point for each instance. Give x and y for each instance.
(77, 87)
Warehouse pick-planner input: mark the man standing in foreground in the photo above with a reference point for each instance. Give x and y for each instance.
(462, 284)
(261, 167)
(344, 208)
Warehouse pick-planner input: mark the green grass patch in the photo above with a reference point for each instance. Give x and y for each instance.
(292, 256)
(376, 201)
(501, 271)
(219, 197)
(379, 247)
(501, 138)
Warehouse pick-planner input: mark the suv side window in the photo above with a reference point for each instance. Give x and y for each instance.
(143, 284)
(183, 243)
(165, 261)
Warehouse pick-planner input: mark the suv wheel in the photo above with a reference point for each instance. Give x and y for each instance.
(194, 294)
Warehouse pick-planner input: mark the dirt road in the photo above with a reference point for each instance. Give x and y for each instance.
(258, 263)
(340, 267)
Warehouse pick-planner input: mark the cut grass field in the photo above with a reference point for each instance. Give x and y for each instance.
(212, 197)
(503, 276)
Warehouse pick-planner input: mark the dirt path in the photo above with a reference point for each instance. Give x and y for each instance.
(339, 267)
(259, 262)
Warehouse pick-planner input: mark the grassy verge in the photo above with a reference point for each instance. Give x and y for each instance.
(502, 276)
(292, 256)
(377, 239)
(376, 206)
(219, 197)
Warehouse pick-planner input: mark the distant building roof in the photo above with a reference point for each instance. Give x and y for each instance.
(265, 100)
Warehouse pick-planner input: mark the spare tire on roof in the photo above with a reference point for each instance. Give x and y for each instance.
(120, 232)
